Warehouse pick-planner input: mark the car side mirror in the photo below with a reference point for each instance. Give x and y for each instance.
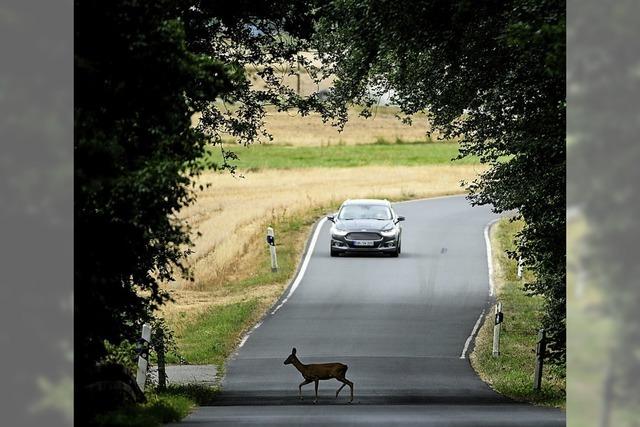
(331, 218)
(400, 218)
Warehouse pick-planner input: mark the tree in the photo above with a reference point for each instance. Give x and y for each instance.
(490, 73)
(142, 70)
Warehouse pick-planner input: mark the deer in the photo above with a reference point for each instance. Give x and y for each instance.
(319, 371)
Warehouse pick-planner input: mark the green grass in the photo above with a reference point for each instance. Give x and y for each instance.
(292, 232)
(167, 406)
(197, 393)
(382, 152)
(159, 409)
(511, 373)
(211, 336)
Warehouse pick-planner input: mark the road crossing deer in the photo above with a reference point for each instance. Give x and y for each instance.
(319, 371)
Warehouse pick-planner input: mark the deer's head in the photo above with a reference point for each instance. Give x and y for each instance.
(291, 357)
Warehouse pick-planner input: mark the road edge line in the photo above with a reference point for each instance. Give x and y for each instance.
(305, 263)
(302, 267)
(463, 355)
(309, 252)
(487, 241)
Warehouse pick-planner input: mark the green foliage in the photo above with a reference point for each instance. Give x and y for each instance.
(142, 69)
(123, 354)
(511, 373)
(170, 405)
(489, 73)
(401, 153)
(159, 409)
(163, 340)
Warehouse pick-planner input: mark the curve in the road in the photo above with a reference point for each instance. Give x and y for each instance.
(400, 324)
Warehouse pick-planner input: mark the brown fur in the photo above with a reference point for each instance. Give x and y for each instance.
(320, 371)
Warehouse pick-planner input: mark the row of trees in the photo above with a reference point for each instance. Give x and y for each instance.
(142, 70)
(490, 73)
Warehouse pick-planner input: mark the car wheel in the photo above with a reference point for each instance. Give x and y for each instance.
(334, 253)
(395, 253)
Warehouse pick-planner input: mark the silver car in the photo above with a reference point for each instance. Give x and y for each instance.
(366, 225)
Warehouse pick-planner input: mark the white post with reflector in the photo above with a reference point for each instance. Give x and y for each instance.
(519, 273)
(143, 355)
(271, 240)
(496, 330)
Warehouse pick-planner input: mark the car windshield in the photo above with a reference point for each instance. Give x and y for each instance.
(380, 212)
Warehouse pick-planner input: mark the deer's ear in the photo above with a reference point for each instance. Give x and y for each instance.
(293, 351)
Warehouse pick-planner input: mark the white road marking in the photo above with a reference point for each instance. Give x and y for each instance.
(473, 333)
(297, 281)
(491, 286)
(487, 241)
(315, 238)
(312, 246)
(305, 263)
(246, 337)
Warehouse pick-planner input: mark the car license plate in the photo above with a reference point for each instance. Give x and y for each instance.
(363, 242)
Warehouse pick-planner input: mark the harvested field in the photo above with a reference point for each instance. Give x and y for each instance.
(232, 214)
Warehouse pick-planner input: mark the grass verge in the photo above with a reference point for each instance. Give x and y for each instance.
(382, 152)
(511, 373)
(210, 336)
(168, 406)
(233, 284)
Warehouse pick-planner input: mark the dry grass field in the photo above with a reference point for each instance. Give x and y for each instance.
(233, 285)
(292, 129)
(287, 128)
(231, 216)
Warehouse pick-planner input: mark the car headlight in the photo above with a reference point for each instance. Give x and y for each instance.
(337, 232)
(389, 233)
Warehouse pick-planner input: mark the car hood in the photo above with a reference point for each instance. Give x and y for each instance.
(363, 224)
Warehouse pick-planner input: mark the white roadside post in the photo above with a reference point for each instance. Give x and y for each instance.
(496, 330)
(271, 240)
(519, 267)
(143, 357)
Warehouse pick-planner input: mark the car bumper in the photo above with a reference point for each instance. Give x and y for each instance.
(385, 244)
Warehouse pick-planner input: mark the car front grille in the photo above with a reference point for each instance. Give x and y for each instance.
(363, 236)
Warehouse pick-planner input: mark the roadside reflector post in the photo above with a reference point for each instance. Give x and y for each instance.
(496, 329)
(271, 240)
(541, 347)
(519, 267)
(143, 356)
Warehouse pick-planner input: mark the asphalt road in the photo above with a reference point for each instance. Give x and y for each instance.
(400, 324)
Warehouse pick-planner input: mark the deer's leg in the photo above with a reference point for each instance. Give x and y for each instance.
(350, 384)
(300, 387)
(344, 383)
(316, 400)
